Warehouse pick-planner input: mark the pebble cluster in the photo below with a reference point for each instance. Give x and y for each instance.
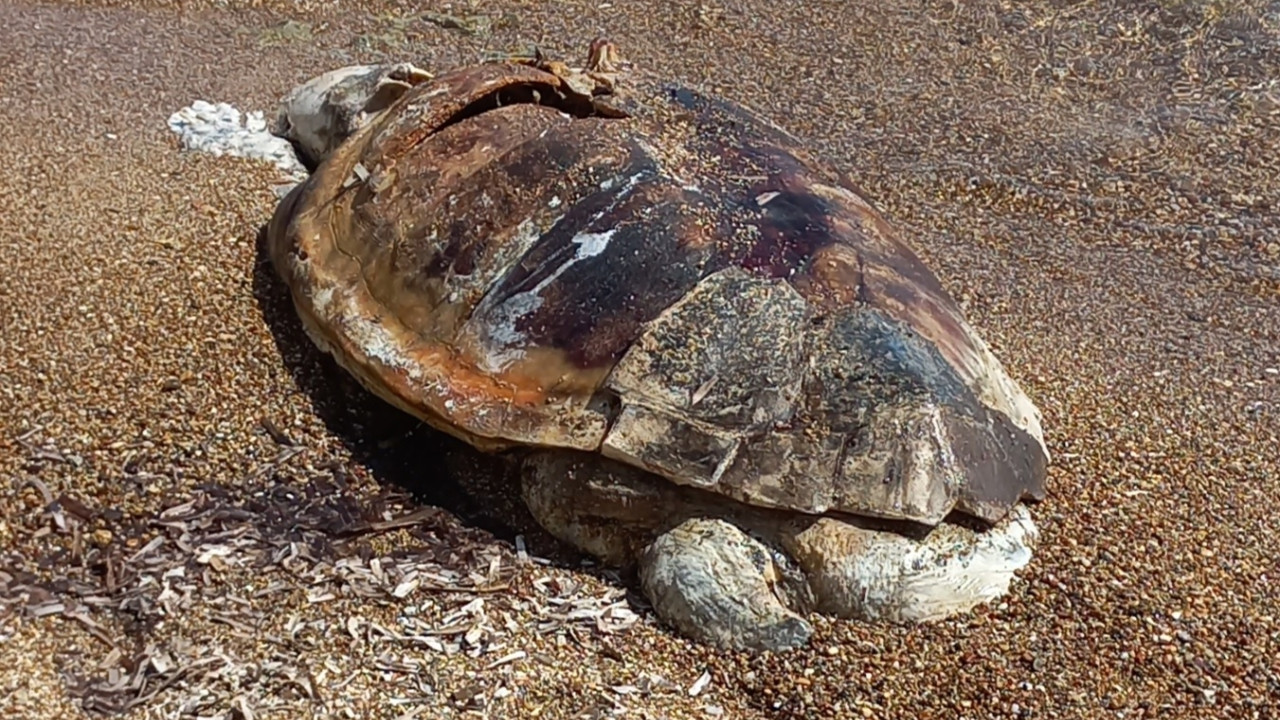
(198, 513)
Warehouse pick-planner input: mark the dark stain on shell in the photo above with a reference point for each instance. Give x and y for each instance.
(583, 270)
(753, 210)
(597, 211)
(596, 310)
(792, 229)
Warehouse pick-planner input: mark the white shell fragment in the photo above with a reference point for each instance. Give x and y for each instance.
(221, 129)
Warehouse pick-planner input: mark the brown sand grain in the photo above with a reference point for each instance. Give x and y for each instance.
(1097, 183)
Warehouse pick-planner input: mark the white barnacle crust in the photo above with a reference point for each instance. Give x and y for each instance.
(882, 575)
(321, 300)
(378, 343)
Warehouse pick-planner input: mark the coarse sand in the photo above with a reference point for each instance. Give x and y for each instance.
(201, 517)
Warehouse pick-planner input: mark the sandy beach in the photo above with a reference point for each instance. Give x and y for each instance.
(201, 516)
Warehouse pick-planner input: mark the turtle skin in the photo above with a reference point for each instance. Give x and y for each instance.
(710, 354)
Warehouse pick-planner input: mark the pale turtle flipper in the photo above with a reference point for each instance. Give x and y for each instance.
(713, 582)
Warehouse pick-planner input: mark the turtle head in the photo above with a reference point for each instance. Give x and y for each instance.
(317, 116)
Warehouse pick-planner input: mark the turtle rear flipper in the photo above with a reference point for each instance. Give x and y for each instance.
(713, 582)
(880, 575)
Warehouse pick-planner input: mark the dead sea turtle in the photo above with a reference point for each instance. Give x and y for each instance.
(710, 356)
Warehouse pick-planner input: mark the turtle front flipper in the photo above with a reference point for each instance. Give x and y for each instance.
(713, 582)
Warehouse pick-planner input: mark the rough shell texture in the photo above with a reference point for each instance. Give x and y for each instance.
(677, 286)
